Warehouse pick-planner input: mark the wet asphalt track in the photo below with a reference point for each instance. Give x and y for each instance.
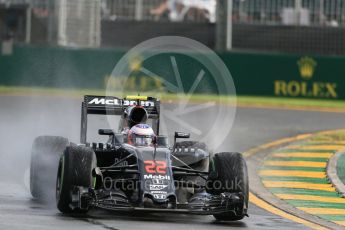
(24, 118)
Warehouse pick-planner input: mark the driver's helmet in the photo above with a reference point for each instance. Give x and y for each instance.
(141, 135)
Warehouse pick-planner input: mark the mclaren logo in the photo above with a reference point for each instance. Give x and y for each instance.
(306, 67)
(104, 101)
(115, 101)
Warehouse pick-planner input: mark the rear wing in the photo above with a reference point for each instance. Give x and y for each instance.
(107, 105)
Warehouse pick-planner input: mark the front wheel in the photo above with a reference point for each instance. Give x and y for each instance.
(75, 169)
(230, 170)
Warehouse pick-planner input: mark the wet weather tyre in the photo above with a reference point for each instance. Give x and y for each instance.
(75, 169)
(45, 155)
(230, 169)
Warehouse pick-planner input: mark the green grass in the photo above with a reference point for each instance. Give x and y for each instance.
(278, 102)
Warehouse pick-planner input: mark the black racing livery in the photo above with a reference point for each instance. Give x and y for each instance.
(183, 178)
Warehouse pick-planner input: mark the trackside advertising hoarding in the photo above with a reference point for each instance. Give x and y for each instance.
(278, 75)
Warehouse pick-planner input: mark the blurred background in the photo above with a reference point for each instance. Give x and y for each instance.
(272, 47)
(293, 26)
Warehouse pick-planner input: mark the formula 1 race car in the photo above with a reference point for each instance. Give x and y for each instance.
(137, 173)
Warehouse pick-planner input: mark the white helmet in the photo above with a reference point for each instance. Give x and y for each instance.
(141, 135)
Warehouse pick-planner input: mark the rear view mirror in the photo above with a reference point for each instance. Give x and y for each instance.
(181, 135)
(107, 132)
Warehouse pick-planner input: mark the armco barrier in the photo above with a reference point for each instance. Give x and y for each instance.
(253, 74)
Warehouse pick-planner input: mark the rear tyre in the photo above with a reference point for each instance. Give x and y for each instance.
(45, 155)
(75, 169)
(230, 169)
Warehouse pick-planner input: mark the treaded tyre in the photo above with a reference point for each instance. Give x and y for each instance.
(75, 169)
(45, 155)
(230, 169)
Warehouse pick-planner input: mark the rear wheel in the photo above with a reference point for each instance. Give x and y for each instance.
(230, 170)
(75, 169)
(45, 154)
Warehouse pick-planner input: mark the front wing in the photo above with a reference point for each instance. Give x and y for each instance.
(199, 204)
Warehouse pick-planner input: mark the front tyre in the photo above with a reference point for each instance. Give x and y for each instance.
(75, 169)
(230, 170)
